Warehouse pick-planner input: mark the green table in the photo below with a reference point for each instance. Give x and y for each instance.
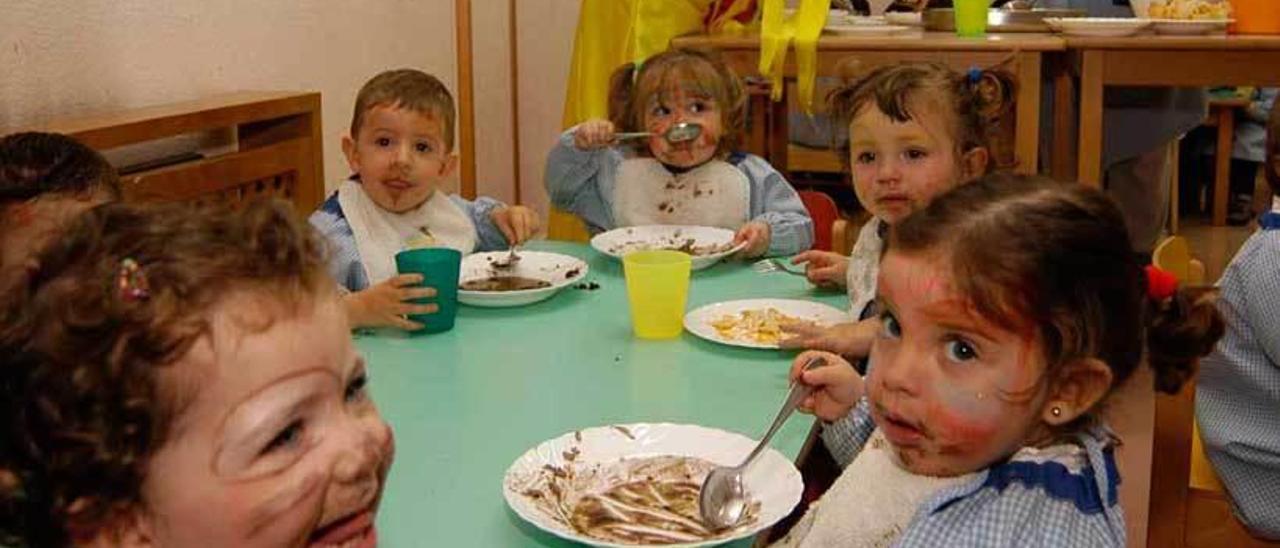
(464, 404)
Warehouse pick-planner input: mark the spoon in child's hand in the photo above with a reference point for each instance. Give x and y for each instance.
(723, 499)
(678, 133)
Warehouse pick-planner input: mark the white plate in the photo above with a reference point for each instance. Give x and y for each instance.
(620, 241)
(558, 270)
(1097, 26)
(699, 320)
(866, 30)
(907, 18)
(772, 480)
(1189, 27)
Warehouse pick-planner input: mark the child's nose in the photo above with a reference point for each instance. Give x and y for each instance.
(888, 170)
(403, 155)
(360, 452)
(901, 373)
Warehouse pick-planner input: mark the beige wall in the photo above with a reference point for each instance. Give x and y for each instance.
(544, 43)
(61, 58)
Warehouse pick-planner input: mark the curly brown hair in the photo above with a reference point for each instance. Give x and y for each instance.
(82, 398)
(704, 71)
(35, 163)
(1035, 255)
(980, 102)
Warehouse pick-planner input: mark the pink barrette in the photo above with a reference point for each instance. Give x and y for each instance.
(132, 282)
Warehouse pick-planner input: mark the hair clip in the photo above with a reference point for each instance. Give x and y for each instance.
(974, 75)
(1161, 284)
(131, 282)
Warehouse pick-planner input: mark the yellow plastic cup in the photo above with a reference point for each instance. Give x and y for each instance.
(971, 17)
(657, 288)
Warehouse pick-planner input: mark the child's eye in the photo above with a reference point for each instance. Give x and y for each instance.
(382, 142)
(423, 147)
(287, 438)
(889, 326)
(959, 350)
(916, 154)
(356, 388)
(865, 158)
(661, 111)
(698, 106)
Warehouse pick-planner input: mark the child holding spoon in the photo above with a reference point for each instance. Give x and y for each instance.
(679, 176)
(1009, 310)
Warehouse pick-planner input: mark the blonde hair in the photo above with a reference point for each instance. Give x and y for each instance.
(409, 89)
(701, 72)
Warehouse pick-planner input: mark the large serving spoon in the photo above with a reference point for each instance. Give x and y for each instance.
(723, 499)
(678, 133)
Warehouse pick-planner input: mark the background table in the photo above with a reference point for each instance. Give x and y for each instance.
(464, 404)
(1022, 54)
(1194, 61)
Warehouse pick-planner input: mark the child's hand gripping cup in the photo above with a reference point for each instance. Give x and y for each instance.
(657, 288)
(440, 268)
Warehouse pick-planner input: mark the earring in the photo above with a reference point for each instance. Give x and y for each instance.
(1056, 411)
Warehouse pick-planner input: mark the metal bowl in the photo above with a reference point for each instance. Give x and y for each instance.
(1000, 20)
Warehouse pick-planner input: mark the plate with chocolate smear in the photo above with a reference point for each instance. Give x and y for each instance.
(706, 245)
(638, 484)
(492, 280)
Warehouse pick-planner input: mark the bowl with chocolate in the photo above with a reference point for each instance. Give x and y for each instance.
(493, 280)
(638, 485)
(706, 245)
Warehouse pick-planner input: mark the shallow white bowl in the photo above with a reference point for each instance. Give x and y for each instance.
(698, 321)
(559, 270)
(773, 480)
(620, 241)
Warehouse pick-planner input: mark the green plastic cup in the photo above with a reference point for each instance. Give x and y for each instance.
(657, 288)
(971, 17)
(439, 268)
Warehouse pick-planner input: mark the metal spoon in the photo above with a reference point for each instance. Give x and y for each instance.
(723, 499)
(678, 133)
(510, 260)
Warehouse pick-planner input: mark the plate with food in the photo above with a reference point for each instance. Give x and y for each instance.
(707, 245)
(757, 323)
(638, 484)
(1189, 27)
(866, 29)
(905, 18)
(1187, 9)
(1109, 27)
(491, 280)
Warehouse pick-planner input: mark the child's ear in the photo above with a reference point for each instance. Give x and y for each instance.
(974, 162)
(349, 150)
(450, 164)
(1079, 387)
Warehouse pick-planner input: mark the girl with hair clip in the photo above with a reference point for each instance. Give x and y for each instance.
(702, 181)
(175, 376)
(915, 130)
(1009, 309)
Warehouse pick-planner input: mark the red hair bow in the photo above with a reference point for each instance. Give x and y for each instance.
(1161, 284)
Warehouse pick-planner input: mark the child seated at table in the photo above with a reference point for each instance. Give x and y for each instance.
(1010, 308)
(1238, 391)
(401, 151)
(700, 181)
(916, 130)
(45, 180)
(182, 377)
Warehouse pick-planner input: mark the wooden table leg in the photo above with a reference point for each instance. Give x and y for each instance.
(1089, 164)
(1027, 131)
(1064, 122)
(1222, 166)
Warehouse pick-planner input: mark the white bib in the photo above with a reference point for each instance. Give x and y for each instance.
(870, 504)
(712, 194)
(380, 234)
(864, 266)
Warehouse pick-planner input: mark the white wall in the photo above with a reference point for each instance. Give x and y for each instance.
(63, 58)
(544, 44)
